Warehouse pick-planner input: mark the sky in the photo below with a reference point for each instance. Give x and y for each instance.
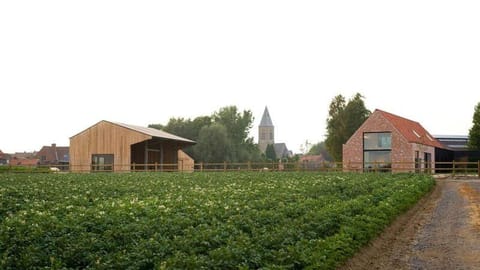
(65, 65)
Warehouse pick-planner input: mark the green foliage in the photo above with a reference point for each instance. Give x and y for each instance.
(320, 149)
(343, 120)
(23, 169)
(213, 144)
(270, 152)
(196, 221)
(238, 148)
(474, 133)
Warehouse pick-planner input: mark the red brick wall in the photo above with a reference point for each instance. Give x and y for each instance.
(402, 150)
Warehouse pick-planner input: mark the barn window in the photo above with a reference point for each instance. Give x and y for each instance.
(102, 162)
(377, 150)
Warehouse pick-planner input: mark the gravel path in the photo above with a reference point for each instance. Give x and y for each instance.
(441, 232)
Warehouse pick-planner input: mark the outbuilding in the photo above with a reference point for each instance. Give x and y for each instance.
(389, 142)
(110, 146)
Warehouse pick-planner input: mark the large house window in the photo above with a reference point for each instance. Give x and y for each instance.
(377, 150)
(102, 162)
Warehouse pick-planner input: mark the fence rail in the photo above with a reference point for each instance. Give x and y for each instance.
(453, 168)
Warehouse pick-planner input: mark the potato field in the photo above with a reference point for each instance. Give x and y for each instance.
(244, 220)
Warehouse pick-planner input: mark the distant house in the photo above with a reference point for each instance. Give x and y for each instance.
(387, 141)
(110, 146)
(266, 136)
(4, 158)
(20, 161)
(53, 155)
(312, 162)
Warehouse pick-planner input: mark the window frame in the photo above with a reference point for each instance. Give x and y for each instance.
(380, 148)
(98, 166)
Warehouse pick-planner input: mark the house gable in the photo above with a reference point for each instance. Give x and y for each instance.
(409, 140)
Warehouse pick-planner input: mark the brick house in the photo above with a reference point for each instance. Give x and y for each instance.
(53, 155)
(4, 158)
(389, 142)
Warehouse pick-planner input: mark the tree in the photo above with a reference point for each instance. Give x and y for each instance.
(343, 120)
(212, 144)
(270, 152)
(236, 125)
(355, 114)
(187, 128)
(320, 149)
(474, 133)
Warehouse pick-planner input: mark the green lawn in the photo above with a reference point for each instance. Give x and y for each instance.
(199, 220)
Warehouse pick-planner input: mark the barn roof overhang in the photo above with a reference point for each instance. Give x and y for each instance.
(151, 132)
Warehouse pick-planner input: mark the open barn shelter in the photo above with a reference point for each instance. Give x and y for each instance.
(110, 146)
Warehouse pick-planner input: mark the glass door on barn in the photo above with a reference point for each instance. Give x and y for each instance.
(102, 162)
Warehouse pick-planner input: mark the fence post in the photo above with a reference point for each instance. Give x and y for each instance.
(201, 166)
(249, 165)
(453, 168)
(224, 166)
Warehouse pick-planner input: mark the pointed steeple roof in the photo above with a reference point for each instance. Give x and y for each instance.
(266, 120)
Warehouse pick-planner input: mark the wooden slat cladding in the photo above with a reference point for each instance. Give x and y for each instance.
(103, 138)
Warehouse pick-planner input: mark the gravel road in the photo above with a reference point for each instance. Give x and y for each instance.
(441, 232)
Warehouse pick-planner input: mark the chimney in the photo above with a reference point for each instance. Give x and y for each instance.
(54, 150)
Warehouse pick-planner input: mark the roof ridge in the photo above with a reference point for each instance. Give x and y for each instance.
(406, 126)
(397, 116)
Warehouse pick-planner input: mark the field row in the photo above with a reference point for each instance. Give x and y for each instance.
(191, 221)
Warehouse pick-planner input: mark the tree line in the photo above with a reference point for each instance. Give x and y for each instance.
(224, 135)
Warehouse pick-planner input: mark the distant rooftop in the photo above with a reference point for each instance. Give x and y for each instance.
(454, 137)
(453, 142)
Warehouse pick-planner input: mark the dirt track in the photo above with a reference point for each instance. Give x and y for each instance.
(441, 232)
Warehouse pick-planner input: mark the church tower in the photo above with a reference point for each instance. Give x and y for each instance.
(265, 131)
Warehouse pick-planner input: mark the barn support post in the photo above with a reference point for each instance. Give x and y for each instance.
(146, 155)
(161, 157)
(453, 168)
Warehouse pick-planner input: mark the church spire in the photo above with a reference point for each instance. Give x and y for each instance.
(265, 131)
(266, 120)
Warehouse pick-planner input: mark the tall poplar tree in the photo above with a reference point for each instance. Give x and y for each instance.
(343, 120)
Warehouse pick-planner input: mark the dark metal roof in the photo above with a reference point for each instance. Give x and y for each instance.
(266, 120)
(454, 142)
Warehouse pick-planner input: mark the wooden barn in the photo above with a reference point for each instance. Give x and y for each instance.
(109, 146)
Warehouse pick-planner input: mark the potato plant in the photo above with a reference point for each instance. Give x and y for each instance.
(196, 221)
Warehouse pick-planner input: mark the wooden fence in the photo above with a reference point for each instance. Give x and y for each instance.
(451, 168)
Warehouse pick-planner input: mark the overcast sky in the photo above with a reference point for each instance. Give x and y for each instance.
(65, 65)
